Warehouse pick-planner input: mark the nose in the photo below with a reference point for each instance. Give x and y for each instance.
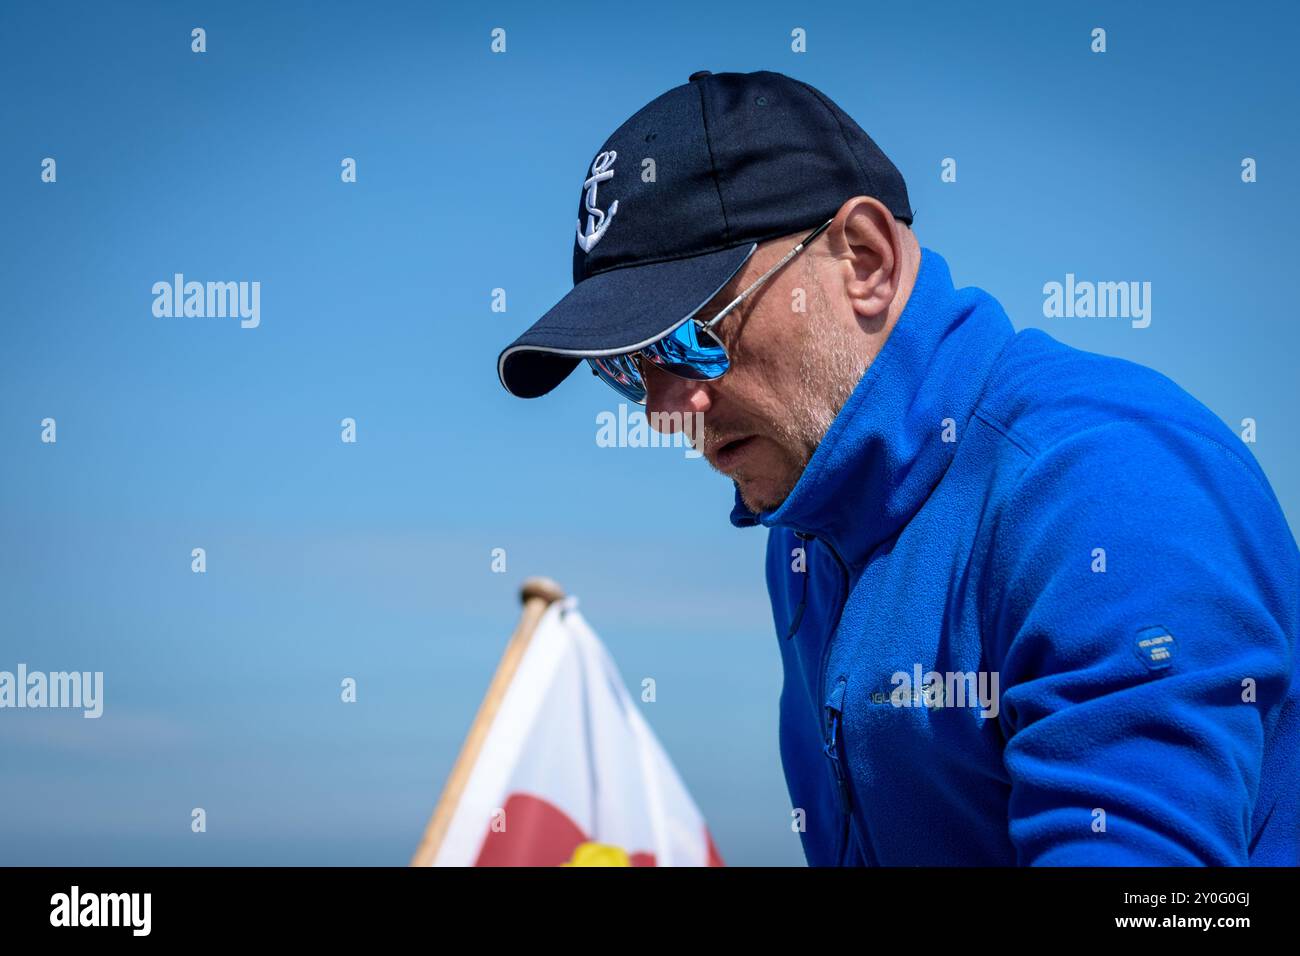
(669, 399)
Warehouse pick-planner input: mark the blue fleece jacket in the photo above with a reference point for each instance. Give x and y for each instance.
(1034, 606)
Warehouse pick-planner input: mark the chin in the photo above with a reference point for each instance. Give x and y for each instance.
(762, 494)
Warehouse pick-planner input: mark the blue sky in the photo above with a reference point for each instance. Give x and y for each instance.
(372, 560)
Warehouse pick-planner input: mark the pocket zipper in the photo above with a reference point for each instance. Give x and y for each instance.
(833, 742)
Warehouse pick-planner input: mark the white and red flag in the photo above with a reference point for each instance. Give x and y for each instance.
(560, 768)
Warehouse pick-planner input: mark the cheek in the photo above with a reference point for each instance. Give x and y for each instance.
(759, 381)
(772, 342)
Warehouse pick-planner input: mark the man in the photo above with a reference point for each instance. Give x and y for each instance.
(1034, 606)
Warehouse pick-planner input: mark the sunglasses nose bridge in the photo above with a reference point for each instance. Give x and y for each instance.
(690, 354)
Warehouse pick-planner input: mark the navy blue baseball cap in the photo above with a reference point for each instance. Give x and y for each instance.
(680, 196)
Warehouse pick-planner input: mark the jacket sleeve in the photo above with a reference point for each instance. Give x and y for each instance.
(1142, 607)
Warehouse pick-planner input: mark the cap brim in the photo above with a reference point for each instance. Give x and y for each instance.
(613, 313)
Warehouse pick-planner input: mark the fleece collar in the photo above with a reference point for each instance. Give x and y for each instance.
(885, 452)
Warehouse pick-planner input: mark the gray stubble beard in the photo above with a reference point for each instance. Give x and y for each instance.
(829, 370)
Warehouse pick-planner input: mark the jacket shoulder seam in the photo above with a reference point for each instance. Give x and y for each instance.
(1021, 445)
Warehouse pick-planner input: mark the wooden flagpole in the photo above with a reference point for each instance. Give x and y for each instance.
(537, 594)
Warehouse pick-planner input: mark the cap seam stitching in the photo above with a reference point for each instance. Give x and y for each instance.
(871, 181)
(713, 166)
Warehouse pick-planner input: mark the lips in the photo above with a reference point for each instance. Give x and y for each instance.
(727, 455)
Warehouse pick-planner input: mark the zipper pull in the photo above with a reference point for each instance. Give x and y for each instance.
(834, 729)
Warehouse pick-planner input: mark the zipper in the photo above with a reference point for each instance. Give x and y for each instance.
(834, 709)
(797, 618)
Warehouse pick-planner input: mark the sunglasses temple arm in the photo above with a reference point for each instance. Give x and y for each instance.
(708, 326)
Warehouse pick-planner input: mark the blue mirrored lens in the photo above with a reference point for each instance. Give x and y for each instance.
(621, 374)
(690, 352)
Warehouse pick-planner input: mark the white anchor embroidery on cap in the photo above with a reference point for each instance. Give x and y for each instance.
(597, 220)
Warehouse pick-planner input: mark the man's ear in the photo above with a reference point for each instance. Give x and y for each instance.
(864, 240)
